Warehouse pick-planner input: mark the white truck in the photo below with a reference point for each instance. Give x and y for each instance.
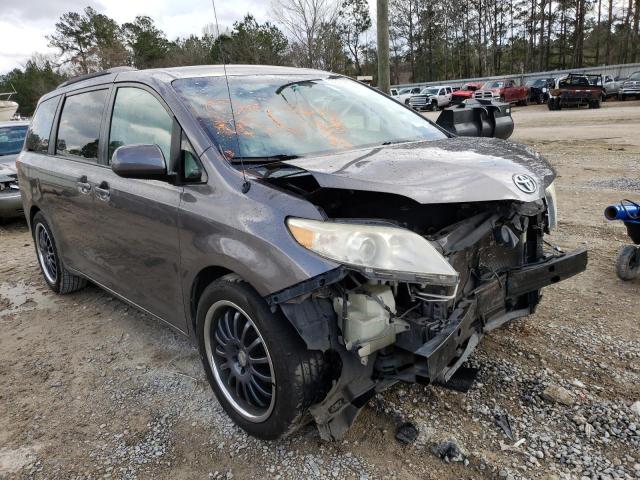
(432, 98)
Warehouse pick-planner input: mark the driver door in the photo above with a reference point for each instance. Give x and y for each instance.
(139, 255)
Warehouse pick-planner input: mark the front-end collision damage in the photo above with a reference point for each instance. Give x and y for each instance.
(380, 329)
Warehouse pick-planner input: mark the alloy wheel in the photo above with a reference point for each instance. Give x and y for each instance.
(46, 253)
(240, 361)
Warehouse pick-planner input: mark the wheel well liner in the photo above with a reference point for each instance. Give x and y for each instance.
(202, 280)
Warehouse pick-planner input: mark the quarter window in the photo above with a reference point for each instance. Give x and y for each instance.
(139, 118)
(40, 130)
(79, 128)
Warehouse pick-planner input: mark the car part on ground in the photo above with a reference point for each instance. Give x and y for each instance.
(478, 118)
(314, 265)
(576, 90)
(628, 262)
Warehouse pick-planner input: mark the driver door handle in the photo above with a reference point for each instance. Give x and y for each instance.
(102, 192)
(83, 186)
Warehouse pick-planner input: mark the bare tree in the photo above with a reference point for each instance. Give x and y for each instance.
(304, 20)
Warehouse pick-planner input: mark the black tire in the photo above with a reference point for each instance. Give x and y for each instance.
(58, 278)
(622, 98)
(434, 106)
(628, 263)
(551, 104)
(299, 374)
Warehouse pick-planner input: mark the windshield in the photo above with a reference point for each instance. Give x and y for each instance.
(494, 84)
(285, 115)
(539, 82)
(12, 139)
(405, 90)
(635, 76)
(430, 91)
(470, 87)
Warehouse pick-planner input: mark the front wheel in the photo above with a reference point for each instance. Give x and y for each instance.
(628, 263)
(58, 278)
(259, 369)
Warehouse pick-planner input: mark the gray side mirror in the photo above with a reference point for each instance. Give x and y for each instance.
(139, 161)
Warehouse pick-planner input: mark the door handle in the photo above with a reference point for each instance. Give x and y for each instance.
(102, 192)
(83, 186)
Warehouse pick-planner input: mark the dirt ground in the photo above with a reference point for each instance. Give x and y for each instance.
(90, 388)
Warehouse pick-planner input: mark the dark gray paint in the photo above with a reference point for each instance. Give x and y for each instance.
(147, 240)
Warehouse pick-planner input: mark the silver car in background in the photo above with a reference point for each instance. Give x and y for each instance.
(12, 135)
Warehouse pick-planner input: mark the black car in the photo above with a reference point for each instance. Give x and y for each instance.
(539, 89)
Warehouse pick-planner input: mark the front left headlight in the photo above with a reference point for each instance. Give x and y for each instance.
(552, 206)
(376, 251)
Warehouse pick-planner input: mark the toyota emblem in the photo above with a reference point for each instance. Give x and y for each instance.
(525, 183)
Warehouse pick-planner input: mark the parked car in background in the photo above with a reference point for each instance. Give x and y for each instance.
(539, 89)
(313, 265)
(630, 87)
(432, 98)
(506, 90)
(405, 94)
(611, 86)
(576, 90)
(12, 135)
(465, 92)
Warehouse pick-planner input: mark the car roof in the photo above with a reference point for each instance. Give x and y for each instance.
(167, 75)
(15, 123)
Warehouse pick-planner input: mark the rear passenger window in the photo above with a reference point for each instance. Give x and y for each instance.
(79, 128)
(40, 130)
(138, 117)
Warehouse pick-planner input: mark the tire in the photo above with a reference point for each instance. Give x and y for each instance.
(628, 263)
(231, 314)
(58, 278)
(551, 104)
(434, 106)
(622, 98)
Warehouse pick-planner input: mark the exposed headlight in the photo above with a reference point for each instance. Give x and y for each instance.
(552, 206)
(544, 89)
(376, 251)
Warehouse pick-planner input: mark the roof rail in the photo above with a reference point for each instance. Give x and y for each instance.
(87, 76)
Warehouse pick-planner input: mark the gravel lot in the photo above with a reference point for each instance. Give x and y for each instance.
(90, 388)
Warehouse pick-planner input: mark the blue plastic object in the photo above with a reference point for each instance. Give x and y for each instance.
(626, 210)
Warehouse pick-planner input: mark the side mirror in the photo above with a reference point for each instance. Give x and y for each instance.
(139, 161)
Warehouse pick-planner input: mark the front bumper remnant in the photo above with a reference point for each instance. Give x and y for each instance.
(491, 305)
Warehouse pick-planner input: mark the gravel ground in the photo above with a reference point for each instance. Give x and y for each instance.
(90, 388)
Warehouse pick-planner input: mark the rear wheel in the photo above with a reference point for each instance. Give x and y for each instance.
(628, 263)
(260, 370)
(58, 278)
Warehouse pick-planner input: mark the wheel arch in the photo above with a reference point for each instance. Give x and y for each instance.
(202, 280)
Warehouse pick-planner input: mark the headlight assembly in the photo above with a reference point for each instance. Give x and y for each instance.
(376, 251)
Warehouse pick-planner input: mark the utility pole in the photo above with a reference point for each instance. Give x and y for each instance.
(383, 46)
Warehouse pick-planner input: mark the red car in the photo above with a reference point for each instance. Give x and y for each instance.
(506, 90)
(465, 92)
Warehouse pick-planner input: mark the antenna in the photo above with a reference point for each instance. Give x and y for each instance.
(245, 185)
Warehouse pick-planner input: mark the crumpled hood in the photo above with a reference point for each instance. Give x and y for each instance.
(460, 169)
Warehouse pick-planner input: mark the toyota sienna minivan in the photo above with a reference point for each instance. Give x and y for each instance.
(319, 241)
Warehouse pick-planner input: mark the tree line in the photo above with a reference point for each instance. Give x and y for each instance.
(428, 40)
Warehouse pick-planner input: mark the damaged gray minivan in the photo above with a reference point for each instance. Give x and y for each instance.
(318, 240)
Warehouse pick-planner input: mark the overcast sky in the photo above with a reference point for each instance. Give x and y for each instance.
(24, 24)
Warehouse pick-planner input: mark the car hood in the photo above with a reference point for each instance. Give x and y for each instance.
(459, 169)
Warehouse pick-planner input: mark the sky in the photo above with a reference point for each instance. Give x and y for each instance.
(24, 24)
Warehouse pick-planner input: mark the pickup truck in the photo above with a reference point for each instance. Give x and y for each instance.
(630, 87)
(506, 90)
(432, 98)
(576, 90)
(465, 92)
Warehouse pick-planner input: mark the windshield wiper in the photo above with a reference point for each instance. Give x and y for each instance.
(266, 159)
